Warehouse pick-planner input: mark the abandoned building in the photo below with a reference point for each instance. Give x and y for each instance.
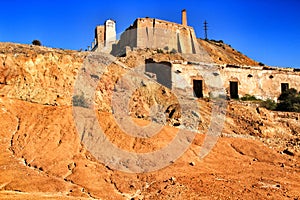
(262, 82)
(105, 35)
(147, 33)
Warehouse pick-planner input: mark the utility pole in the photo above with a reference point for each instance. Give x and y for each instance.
(205, 29)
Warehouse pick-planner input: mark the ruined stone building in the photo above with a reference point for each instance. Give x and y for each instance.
(237, 80)
(148, 33)
(105, 35)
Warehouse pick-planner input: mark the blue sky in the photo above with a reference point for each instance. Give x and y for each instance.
(265, 30)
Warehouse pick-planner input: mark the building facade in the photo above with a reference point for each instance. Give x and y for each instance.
(237, 81)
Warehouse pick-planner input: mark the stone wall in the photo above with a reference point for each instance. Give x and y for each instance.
(261, 82)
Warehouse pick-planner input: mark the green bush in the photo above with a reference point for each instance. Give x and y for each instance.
(217, 41)
(288, 94)
(249, 97)
(269, 104)
(160, 51)
(37, 43)
(79, 100)
(289, 100)
(173, 51)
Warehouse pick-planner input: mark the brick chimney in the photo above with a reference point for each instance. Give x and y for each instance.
(183, 17)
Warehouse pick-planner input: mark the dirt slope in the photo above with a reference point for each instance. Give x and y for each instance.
(42, 157)
(222, 53)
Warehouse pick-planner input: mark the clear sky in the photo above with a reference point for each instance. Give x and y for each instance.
(265, 30)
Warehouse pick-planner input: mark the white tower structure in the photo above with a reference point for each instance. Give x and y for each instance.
(110, 33)
(105, 36)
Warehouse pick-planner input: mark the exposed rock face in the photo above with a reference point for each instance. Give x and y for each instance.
(42, 156)
(38, 74)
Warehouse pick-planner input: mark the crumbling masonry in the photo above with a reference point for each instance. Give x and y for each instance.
(260, 81)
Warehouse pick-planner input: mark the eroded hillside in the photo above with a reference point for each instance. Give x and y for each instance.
(222, 53)
(42, 155)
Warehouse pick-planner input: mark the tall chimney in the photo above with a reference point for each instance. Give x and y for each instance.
(183, 17)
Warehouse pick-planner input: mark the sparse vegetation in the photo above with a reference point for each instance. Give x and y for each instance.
(79, 100)
(249, 97)
(159, 51)
(289, 101)
(173, 51)
(37, 43)
(217, 41)
(269, 104)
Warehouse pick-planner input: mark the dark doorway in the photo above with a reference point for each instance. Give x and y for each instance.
(162, 71)
(234, 90)
(284, 87)
(198, 88)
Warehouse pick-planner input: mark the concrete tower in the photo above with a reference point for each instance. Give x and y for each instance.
(183, 17)
(110, 32)
(105, 36)
(99, 36)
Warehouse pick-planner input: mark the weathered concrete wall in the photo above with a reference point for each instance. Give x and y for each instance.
(158, 34)
(258, 81)
(162, 71)
(99, 35)
(127, 39)
(184, 74)
(262, 83)
(154, 33)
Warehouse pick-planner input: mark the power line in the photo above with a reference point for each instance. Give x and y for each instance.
(205, 29)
